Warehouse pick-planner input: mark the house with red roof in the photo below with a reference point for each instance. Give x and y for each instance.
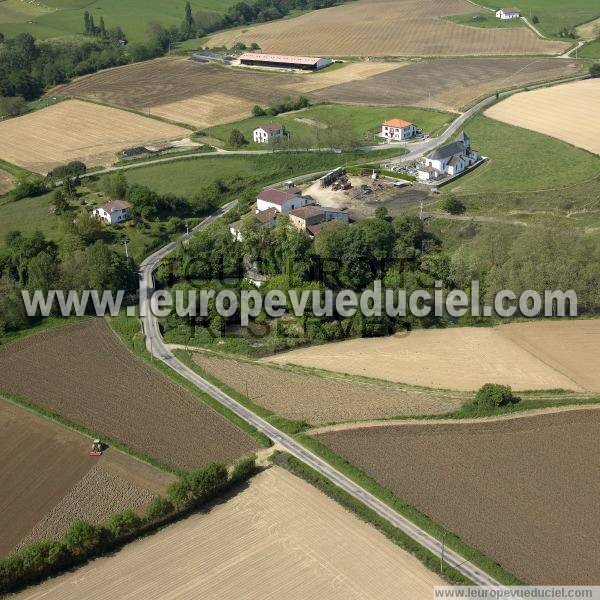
(265, 133)
(283, 201)
(396, 130)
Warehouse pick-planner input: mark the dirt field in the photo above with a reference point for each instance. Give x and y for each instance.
(316, 399)
(48, 479)
(204, 94)
(86, 374)
(388, 28)
(6, 182)
(74, 130)
(568, 112)
(523, 491)
(427, 84)
(278, 538)
(540, 355)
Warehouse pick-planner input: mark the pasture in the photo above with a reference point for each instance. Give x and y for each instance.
(6, 182)
(539, 355)
(568, 112)
(388, 28)
(84, 373)
(279, 533)
(75, 130)
(511, 488)
(48, 479)
(300, 395)
(60, 18)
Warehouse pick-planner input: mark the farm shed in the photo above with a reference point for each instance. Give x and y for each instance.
(283, 61)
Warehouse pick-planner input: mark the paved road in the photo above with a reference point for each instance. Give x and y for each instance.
(157, 347)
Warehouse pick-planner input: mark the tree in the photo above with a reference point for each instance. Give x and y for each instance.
(82, 537)
(451, 204)
(123, 522)
(381, 212)
(595, 70)
(87, 26)
(87, 226)
(159, 507)
(102, 28)
(254, 46)
(188, 28)
(493, 395)
(236, 138)
(535, 20)
(258, 111)
(178, 493)
(12, 106)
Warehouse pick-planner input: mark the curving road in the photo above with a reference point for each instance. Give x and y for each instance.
(158, 349)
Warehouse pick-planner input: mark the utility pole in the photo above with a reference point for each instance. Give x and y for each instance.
(187, 228)
(125, 242)
(421, 210)
(442, 555)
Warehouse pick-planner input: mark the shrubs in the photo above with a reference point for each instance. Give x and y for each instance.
(595, 70)
(493, 395)
(84, 540)
(236, 138)
(451, 204)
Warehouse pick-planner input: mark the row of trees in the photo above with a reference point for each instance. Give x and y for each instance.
(84, 540)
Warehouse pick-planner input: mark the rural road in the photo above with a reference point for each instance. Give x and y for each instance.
(157, 347)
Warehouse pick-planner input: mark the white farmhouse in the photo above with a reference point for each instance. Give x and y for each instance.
(397, 130)
(283, 201)
(265, 133)
(113, 212)
(449, 160)
(508, 13)
(267, 218)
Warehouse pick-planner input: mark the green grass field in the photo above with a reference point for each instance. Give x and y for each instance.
(29, 215)
(330, 124)
(60, 18)
(520, 159)
(487, 20)
(590, 50)
(553, 14)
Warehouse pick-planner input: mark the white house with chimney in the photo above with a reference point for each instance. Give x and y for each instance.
(508, 13)
(397, 130)
(113, 212)
(265, 133)
(449, 160)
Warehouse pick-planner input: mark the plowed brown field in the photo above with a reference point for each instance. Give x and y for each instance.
(278, 538)
(86, 374)
(388, 28)
(74, 130)
(323, 399)
(527, 356)
(524, 491)
(48, 479)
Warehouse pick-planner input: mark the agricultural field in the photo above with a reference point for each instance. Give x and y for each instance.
(204, 94)
(553, 15)
(568, 112)
(591, 50)
(484, 19)
(540, 355)
(85, 373)
(427, 84)
(48, 479)
(6, 182)
(524, 490)
(332, 124)
(388, 28)
(516, 151)
(279, 533)
(322, 398)
(60, 18)
(75, 130)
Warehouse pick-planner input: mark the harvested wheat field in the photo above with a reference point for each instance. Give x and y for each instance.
(526, 356)
(277, 538)
(323, 399)
(203, 94)
(568, 112)
(524, 490)
(85, 373)
(48, 479)
(427, 83)
(6, 182)
(74, 130)
(388, 28)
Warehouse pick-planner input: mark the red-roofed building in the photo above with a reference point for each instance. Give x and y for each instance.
(284, 61)
(397, 130)
(508, 13)
(283, 201)
(265, 133)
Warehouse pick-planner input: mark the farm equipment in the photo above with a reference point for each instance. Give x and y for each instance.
(97, 448)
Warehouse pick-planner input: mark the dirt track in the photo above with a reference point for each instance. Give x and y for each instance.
(539, 355)
(86, 374)
(278, 538)
(568, 112)
(48, 479)
(388, 28)
(524, 491)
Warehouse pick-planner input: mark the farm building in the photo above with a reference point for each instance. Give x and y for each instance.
(266, 218)
(265, 133)
(283, 201)
(113, 212)
(508, 13)
(305, 217)
(450, 159)
(282, 61)
(397, 130)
